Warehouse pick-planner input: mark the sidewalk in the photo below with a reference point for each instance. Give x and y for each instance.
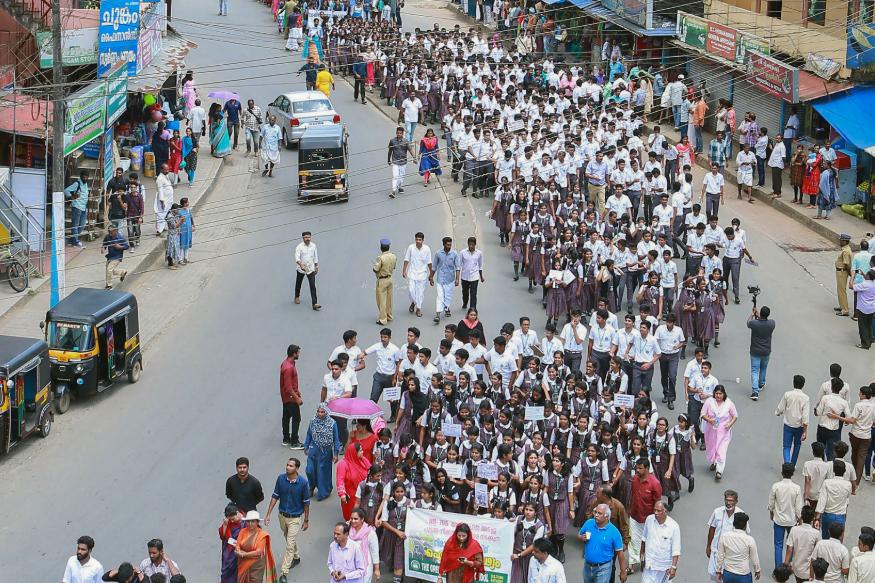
(20, 313)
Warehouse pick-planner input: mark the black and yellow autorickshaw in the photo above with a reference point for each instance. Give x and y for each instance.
(323, 164)
(94, 339)
(25, 390)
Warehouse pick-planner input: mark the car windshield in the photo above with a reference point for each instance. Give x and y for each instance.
(312, 106)
(70, 336)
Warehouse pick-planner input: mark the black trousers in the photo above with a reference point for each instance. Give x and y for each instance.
(359, 88)
(469, 291)
(292, 412)
(864, 327)
(311, 279)
(694, 413)
(602, 361)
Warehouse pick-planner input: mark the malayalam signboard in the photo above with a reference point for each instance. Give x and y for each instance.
(84, 117)
(639, 12)
(116, 92)
(774, 77)
(427, 531)
(118, 34)
(79, 46)
(718, 39)
(151, 38)
(108, 158)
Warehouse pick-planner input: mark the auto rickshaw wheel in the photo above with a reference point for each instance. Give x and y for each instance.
(46, 427)
(134, 373)
(62, 403)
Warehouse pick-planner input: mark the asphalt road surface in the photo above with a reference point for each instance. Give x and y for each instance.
(150, 460)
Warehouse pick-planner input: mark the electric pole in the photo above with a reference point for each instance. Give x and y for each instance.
(58, 121)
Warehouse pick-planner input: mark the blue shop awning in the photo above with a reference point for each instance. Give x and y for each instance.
(578, 3)
(852, 114)
(606, 14)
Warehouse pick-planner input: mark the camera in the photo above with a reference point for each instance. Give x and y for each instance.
(754, 291)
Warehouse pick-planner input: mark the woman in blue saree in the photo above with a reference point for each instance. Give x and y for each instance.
(220, 143)
(190, 150)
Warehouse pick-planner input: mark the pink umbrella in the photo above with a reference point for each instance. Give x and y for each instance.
(354, 408)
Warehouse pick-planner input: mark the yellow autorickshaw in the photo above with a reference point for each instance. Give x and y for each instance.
(25, 390)
(94, 339)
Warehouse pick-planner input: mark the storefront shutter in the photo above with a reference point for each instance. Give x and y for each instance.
(717, 79)
(768, 109)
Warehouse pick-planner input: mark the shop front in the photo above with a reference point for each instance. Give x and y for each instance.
(636, 29)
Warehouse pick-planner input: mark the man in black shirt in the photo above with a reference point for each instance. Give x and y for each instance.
(242, 489)
(761, 329)
(117, 182)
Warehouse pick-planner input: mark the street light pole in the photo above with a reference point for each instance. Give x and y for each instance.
(58, 252)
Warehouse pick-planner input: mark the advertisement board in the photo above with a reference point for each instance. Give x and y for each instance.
(773, 76)
(108, 166)
(861, 43)
(84, 117)
(639, 12)
(118, 34)
(427, 531)
(78, 47)
(116, 92)
(717, 39)
(151, 39)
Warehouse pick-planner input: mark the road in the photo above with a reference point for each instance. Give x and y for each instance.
(150, 460)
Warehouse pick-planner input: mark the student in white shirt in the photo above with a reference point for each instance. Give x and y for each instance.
(573, 337)
(644, 351)
(712, 190)
(670, 339)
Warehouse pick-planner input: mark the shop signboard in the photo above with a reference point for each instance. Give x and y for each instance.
(108, 166)
(639, 12)
(427, 531)
(84, 117)
(118, 34)
(773, 76)
(861, 43)
(116, 93)
(151, 39)
(78, 47)
(717, 39)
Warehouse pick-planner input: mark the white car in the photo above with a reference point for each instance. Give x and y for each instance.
(297, 111)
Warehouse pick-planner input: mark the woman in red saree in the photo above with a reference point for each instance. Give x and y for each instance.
(811, 178)
(255, 562)
(351, 471)
(364, 434)
(462, 558)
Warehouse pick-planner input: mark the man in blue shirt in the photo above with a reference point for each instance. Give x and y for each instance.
(601, 543)
(77, 194)
(233, 109)
(293, 493)
(446, 270)
(114, 245)
(596, 176)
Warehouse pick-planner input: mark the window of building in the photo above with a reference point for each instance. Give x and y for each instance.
(773, 8)
(816, 13)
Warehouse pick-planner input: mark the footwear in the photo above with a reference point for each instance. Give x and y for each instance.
(317, 307)
(123, 276)
(702, 446)
(264, 172)
(108, 287)
(418, 313)
(287, 441)
(412, 307)
(860, 345)
(380, 323)
(283, 579)
(296, 445)
(664, 400)
(400, 189)
(712, 467)
(716, 343)
(718, 476)
(692, 485)
(297, 300)
(437, 318)
(737, 301)
(296, 562)
(391, 419)
(671, 405)
(754, 396)
(842, 314)
(392, 194)
(447, 313)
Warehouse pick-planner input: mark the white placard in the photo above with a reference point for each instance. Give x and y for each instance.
(624, 400)
(392, 393)
(534, 413)
(481, 495)
(515, 125)
(488, 471)
(453, 470)
(451, 429)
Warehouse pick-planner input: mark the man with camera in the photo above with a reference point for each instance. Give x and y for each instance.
(761, 329)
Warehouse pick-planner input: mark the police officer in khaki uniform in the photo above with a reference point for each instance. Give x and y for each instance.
(843, 272)
(384, 266)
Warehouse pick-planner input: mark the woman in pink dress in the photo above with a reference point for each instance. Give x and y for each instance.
(718, 417)
(685, 153)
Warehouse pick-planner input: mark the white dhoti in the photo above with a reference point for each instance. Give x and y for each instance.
(293, 44)
(160, 220)
(636, 531)
(416, 288)
(654, 576)
(270, 155)
(712, 562)
(398, 172)
(444, 298)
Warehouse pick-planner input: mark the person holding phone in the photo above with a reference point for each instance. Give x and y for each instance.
(462, 558)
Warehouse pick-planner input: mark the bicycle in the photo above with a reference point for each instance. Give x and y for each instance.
(16, 272)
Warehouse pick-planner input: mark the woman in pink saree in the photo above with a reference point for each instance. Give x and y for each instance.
(718, 417)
